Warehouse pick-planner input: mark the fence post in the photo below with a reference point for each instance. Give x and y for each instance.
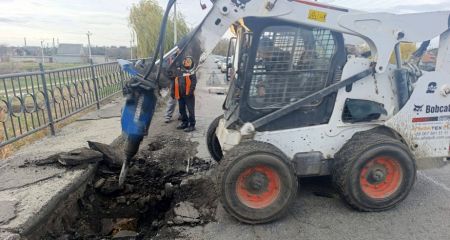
(122, 76)
(47, 100)
(94, 79)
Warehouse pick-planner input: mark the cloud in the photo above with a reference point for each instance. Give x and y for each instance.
(424, 7)
(69, 20)
(393, 6)
(10, 20)
(6, 20)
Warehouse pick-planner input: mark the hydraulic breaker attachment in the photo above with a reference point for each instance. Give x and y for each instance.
(136, 114)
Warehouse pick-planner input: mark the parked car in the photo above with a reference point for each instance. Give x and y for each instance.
(223, 67)
(219, 63)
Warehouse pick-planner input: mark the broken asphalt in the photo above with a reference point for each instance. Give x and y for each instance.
(30, 188)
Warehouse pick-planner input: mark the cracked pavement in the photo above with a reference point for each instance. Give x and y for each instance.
(28, 193)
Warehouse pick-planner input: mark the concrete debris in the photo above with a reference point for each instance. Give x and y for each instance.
(110, 187)
(125, 235)
(80, 156)
(113, 156)
(107, 225)
(185, 213)
(149, 195)
(46, 161)
(168, 189)
(125, 224)
(99, 183)
(121, 199)
(7, 211)
(155, 224)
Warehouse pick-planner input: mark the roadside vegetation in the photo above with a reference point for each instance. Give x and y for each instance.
(18, 67)
(145, 19)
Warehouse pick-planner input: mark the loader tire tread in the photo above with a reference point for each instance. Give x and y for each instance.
(244, 149)
(212, 142)
(345, 158)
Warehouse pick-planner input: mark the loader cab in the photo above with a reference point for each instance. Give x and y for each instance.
(279, 63)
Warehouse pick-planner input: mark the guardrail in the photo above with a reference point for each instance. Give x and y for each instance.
(33, 101)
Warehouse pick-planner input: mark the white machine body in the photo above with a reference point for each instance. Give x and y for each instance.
(423, 122)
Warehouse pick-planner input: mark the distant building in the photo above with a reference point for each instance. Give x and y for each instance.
(28, 51)
(114, 53)
(26, 54)
(70, 53)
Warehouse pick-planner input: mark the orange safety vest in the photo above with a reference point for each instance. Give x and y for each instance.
(177, 87)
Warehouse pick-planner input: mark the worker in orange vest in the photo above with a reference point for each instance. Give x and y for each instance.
(183, 90)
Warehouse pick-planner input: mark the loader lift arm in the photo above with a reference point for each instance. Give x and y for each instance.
(382, 31)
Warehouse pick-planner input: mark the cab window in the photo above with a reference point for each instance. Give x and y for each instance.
(291, 63)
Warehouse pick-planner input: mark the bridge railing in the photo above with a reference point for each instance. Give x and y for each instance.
(33, 101)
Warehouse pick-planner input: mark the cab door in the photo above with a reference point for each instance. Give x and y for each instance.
(287, 63)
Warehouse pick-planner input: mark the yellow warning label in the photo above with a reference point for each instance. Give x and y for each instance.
(317, 16)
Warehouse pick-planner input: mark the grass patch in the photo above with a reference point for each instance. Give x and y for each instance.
(18, 67)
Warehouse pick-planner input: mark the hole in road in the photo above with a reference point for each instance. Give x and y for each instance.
(158, 193)
(155, 146)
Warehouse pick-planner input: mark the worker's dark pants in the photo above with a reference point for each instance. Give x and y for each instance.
(189, 103)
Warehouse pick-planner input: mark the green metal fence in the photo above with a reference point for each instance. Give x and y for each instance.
(33, 101)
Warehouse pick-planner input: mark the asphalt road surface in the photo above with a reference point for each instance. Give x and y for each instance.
(319, 213)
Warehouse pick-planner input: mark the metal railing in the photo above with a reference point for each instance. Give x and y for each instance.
(33, 101)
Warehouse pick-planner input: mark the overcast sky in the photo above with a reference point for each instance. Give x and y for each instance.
(69, 20)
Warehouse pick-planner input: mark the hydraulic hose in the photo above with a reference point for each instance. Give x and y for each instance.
(160, 46)
(139, 109)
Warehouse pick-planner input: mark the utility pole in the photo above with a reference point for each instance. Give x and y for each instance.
(54, 47)
(89, 34)
(131, 44)
(131, 49)
(42, 51)
(25, 41)
(175, 34)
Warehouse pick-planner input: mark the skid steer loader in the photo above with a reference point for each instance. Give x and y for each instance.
(300, 105)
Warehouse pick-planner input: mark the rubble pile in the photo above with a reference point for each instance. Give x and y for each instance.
(166, 186)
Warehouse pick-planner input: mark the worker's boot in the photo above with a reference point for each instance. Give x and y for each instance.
(182, 126)
(189, 129)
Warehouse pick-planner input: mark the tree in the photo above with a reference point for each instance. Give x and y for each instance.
(145, 18)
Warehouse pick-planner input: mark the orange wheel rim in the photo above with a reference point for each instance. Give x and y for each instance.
(258, 187)
(381, 177)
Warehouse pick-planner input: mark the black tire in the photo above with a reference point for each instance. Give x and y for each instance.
(261, 161)
(373, 172)
(214, 148)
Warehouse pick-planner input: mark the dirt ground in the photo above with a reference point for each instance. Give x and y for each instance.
(167, 185)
